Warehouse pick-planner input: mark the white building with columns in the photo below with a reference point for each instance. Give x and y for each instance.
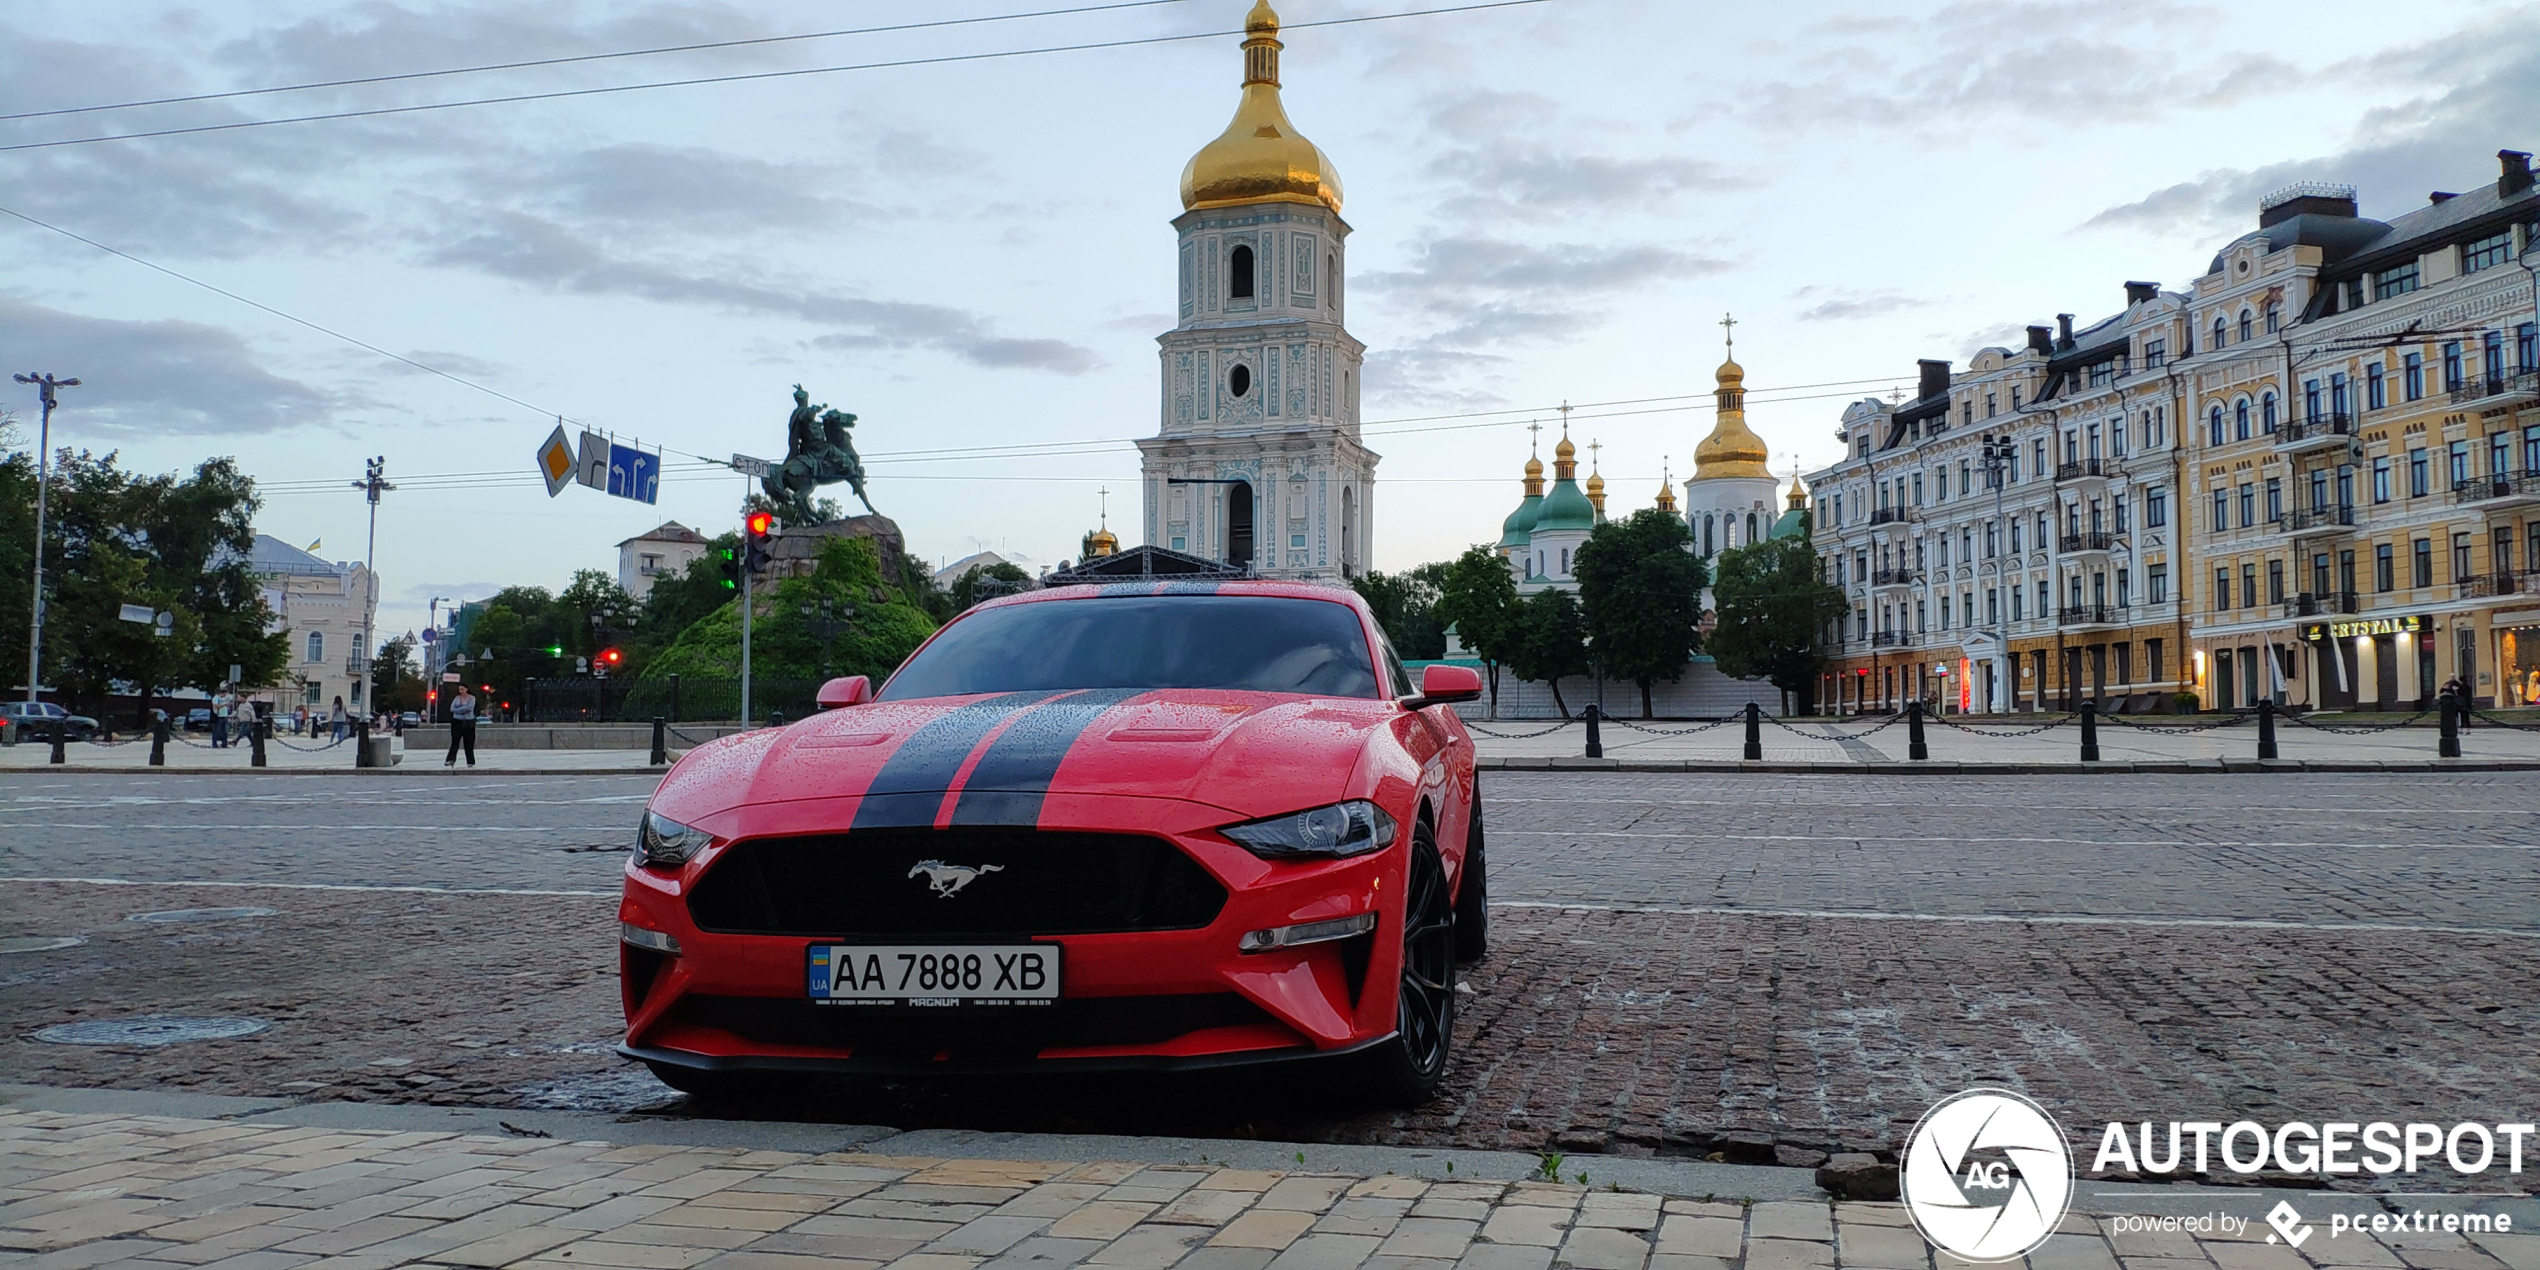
(1258, 461)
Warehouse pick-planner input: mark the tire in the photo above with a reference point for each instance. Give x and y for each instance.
(1472, 895)
(1405, 1070)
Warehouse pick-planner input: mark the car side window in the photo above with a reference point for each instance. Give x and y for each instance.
(1393, 665)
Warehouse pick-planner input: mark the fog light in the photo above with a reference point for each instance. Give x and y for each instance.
(1309, 933)
(651, 940)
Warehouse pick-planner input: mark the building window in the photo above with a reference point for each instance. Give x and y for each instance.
(2381, 480)
(2488, 252)
(2240, 420)
(2219, 328)
(2492, 358)
(2156, 507)
(2319, 491)
(2222, 590)
(2016, 595)
(2222, 511)
(2275, 582)
(2152, 660)
(2354, 293)
(2376, 391)
(2460, 558)
(2275, 499)
(2527, 339)
(2266, 413)
(2310, 399)
(1239, 274)
(2346, 571)
(2248, 505)
(2245, 334)
(2337, 402)
(2275, 318)
(2154, 354)
(2421, 562)
(2396, 281)
(2382, 580)
(317, 646)
(2319, 574)
(1990, 406)
(2452, 366)
(2531, 452)
(2248, 586)
(2500, 454)
(2414, 373)
(2417, 472)
(2214, 427)
(2459, 457)
(2042, 602)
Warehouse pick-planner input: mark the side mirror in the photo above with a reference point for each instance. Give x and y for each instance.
(1445, 685)
(852, 690)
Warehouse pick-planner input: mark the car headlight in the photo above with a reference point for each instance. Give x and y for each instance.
(1334, 832)
(663, 843)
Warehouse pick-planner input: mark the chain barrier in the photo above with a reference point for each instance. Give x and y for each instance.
(277, 739)
(685, 739)
(2506, 723)
(2183, 729)
(183, 739)
(1715, 723)
(99, 739)
(1831, 735)
(1522, 736)
(2353, 729)
(2007, 733)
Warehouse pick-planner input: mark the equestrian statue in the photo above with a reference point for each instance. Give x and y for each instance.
(817, 452)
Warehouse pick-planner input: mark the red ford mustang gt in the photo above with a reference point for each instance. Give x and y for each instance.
(1143, 826)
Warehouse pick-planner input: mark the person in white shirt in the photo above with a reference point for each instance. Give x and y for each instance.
(462, 728)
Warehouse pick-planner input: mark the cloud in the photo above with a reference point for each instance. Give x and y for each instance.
(155, 379)
(2482, 92)
(1847, 305)
(676, 190)
(1509, 155)
(537, 252)
(1450, 270)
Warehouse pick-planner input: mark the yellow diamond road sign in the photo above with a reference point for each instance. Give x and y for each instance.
(555, 462)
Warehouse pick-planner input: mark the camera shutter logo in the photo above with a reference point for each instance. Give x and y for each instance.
(1987, 1175)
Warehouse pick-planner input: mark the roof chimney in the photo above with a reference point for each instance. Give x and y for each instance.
(2306, 198)
(2516, 178)
(2440, 196)
(2041, 339)
(1935, 380)
(2139, 292)
(2063, 330)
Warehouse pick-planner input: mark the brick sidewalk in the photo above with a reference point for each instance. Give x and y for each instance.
(161, 1192)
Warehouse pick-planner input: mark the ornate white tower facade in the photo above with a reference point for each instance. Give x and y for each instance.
(1729, 502)
(1258, 461)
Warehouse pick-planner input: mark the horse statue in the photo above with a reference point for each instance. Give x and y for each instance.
(818, 452)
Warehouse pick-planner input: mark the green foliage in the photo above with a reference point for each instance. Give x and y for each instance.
(1641, 585)
(1478, 598)
(176, 543)
(1773, 609)
(880, 626)
(396, 683)
(679, 601)
(981, 582)
(1551, 642)
(1406, 607)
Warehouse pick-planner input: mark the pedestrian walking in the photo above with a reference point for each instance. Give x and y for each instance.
(223, 706)
(462, 728)
(339, 718)
(300, 719)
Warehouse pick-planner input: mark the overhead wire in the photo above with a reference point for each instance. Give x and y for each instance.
(750, 76)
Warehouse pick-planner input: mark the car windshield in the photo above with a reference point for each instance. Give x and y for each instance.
(1246, 643)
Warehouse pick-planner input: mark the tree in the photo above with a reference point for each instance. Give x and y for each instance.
(1478, 598)
(1406, 608)
(1773, 608)
(982, 582)
(882, 627)
(679, 601)
(395, 682)
(1551, 642)
(1641, 586)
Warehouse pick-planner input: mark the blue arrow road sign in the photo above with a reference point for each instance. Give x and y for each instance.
(634, 474)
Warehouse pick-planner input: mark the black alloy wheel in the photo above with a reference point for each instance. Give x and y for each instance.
(1409, 1066)
(1472, 894)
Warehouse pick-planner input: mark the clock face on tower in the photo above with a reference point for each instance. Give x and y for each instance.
(1257, 460)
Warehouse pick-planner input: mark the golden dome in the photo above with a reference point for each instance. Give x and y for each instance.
(1732, 451)
(1260, 158)
(1798, 493)
(1534, 477)
(1667, 491)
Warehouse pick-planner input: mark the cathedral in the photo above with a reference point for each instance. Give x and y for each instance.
(1258, 462)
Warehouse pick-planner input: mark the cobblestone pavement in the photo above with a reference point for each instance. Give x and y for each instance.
(1748, 966)
(2367, 739)
(153, 1193)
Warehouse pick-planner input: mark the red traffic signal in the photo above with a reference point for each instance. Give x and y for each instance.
(761, 524)
(611, 657)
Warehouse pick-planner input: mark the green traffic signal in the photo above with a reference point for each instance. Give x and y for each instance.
(555, 650)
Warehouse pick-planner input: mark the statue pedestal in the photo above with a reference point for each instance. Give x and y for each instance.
(794, 553)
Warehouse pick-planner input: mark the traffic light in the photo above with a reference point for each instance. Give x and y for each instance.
(730, 560)
(555, 650)
(759, 530)
(611, 658)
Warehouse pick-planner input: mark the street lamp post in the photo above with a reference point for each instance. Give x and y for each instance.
(47, 389)
(374, 482)
(1999, 453)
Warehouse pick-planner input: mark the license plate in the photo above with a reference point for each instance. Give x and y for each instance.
(934, 974)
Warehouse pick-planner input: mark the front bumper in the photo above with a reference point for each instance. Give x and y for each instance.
(1156, 1000)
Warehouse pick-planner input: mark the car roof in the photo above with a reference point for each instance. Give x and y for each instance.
(1328, 592)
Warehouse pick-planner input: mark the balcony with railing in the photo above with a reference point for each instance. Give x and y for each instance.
(2505, 489)
(2484, 586)
(2323, 520)
(1892, 516)
(1892, 639)
(2317, 430)
(2091, 615)
(2088, 469)
(1896, 577)
(2499, 390)
(2309, 605)
(2093, 541)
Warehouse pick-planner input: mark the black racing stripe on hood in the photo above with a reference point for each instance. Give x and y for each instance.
(1014, 776)
(909, 789)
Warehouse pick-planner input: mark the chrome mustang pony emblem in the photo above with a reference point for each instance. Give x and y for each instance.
(948, 879)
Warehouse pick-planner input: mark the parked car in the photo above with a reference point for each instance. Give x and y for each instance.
(36, 716)
(410, 719)
(198, 719)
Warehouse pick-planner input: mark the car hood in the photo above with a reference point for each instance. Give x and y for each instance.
(995, 760)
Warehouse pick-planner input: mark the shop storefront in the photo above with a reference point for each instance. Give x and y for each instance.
(2517, 680)
(2375, 663)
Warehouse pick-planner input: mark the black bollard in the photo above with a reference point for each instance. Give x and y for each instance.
(661, 740)
(2090, 730)
(1914, 747)
(775, 718)
(2266, 727)
(256, 729)
(2450, 746)
(61, 733)
(158, 739)
(361, 742)
(1754, 732)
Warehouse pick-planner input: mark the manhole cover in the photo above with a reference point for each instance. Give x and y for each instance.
(199, 914)
(38, 943)
(154, 1029)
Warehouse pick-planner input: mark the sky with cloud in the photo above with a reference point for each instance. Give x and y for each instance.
(1551, 202)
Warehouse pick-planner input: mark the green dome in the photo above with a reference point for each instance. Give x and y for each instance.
(1566, 508)
(1792, 524)
(1513, 531)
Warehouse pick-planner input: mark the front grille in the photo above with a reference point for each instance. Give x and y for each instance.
(967, 1034)
(870, 883)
